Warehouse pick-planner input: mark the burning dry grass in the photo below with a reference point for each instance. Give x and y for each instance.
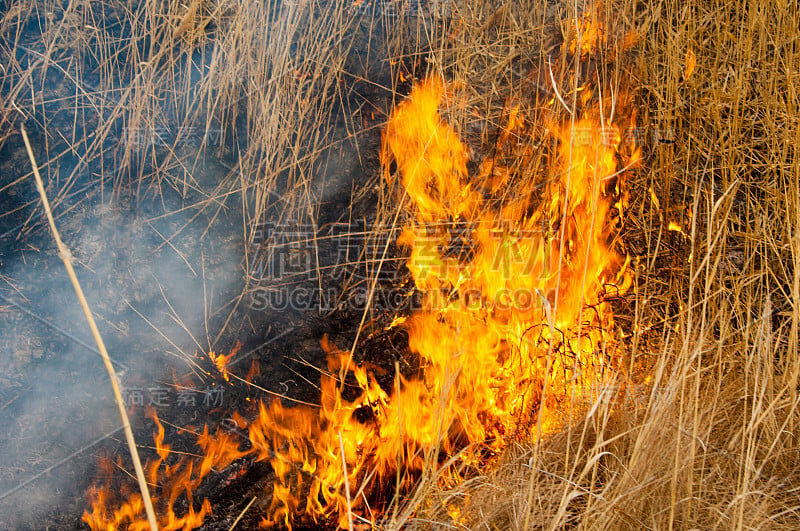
(697, 425)
(709, 438)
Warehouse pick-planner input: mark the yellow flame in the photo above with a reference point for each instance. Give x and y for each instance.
(514, 263)
(673, 226)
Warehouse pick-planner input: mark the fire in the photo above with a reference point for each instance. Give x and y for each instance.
(529, 284)
(174, 482)
(514, 264)
(589, 32)
(220, 361)
(517, 307)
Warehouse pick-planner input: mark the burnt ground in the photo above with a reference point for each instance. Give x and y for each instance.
(160, 308)
(165, 281)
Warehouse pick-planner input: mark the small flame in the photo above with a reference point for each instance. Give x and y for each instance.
(589, 34)
(172, 483)
(220, 361)
(255, 370)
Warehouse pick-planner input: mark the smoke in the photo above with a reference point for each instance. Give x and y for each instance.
(157, 300)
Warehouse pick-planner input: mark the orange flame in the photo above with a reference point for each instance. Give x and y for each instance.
(589, 35)
(528, 275)
(172, 482)
(529, 287)
(220, 361)
(514, 264)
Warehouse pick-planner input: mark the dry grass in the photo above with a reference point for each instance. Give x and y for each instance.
(711, 441)
(139, 95)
